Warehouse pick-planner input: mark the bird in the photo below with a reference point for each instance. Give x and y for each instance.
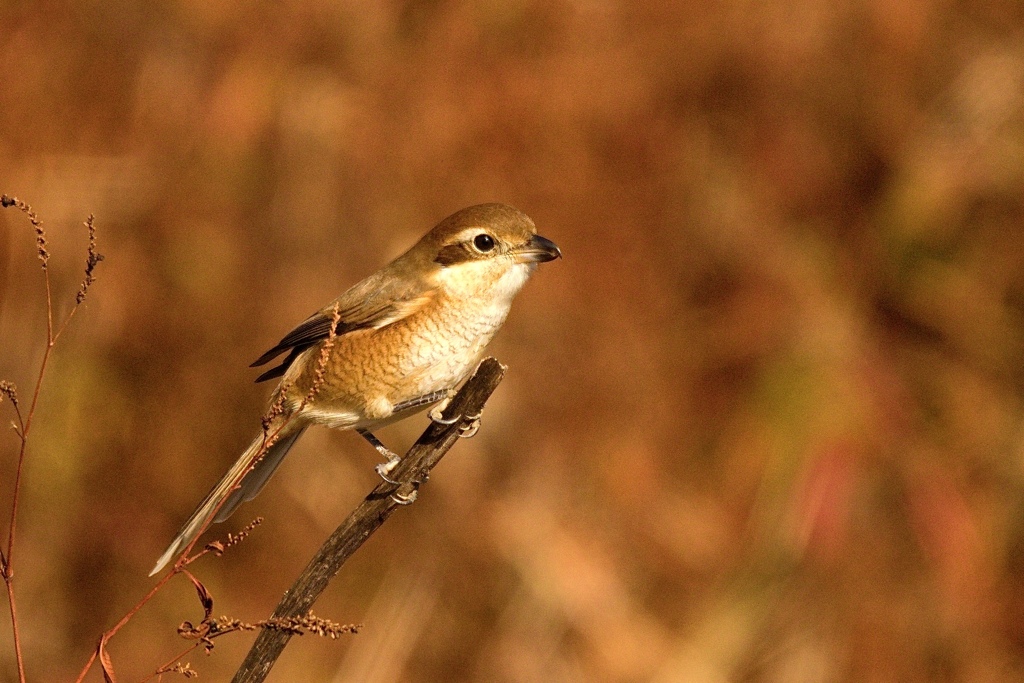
(392, 345)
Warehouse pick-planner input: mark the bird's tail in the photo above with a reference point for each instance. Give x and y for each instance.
(232, 491)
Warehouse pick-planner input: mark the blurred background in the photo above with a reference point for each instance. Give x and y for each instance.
(763, 422)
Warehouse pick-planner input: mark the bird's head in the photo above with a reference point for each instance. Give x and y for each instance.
(487, 249)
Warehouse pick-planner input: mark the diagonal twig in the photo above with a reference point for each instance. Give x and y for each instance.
(412, 470)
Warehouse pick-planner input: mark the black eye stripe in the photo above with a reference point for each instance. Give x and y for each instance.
(454, 253)
(477, 248)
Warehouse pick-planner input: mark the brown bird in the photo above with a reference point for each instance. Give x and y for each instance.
(405, 337)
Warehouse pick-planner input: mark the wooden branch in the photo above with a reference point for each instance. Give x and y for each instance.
(412, 471)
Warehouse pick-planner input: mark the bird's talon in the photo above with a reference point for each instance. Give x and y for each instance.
(401, 499)
(469, 430)
(436, 416)
(384, 469)
(471, 427)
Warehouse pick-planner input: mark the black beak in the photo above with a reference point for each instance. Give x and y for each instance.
(538, 250)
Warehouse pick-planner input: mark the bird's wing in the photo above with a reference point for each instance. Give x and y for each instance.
(373, 303)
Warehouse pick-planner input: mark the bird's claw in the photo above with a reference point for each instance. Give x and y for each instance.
(471, 426)
(384, 469)
(466, 430)
(404, 499)
(436, 414)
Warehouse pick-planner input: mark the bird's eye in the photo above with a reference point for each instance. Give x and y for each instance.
(483, 242)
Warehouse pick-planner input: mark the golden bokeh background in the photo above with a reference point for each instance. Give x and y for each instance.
(763, 422)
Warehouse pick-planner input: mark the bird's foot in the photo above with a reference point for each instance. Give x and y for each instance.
(471, 426)
(436, 413)
(404, 499)
(385, 468)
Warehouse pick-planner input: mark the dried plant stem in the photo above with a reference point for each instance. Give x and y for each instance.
(24, 424)
(169, 666)
(371, 513)
(179, 567)
(8, 568)
(102, 646)
(24, 428)
(269, 438)
(14, 626)
(185, 558)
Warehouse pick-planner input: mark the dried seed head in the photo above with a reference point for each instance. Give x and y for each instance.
(325, 354)
(8, 389)
(185, 669)
(309, 623)
(218, 547)
(92, 258)
(37, 224)
(277, 407)
(208, 628)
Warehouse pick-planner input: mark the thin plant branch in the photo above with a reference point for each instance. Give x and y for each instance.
(462, 412)
(185, 558)
(269, 438)
(24, 424)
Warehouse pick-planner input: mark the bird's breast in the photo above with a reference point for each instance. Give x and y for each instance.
(437, 347)
(368, 371)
